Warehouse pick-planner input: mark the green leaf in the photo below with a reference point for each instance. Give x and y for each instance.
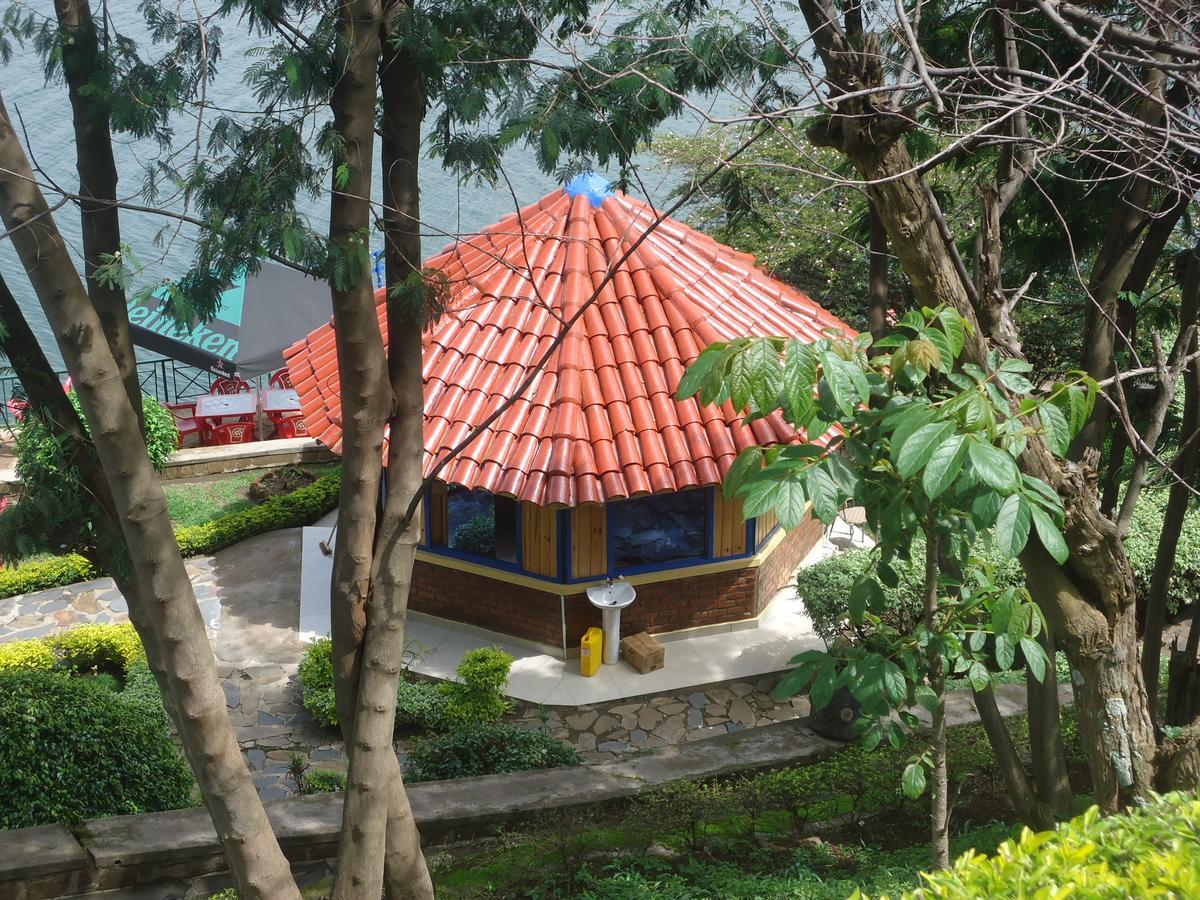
(1012, 525)
(699, 372)
(943, 467)
(952, 324)
(1035, 657)
(1049, 535)
(790, 503)
(940, 340)
(978, 676)
(841, 382)
(1004, 652)
(1055, 428)
(799, 381)
(905, 420)
(866, 594)
(994, 466)
(894, 684)
(747, 462)
(823, 494)
(985, 507)
(913, 780)
(925, 697)
(823, 688)
(977, 640)
(1015, 382)
(919, 449)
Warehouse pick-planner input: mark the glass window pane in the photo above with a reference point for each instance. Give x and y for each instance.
(658, 529)
(482, 524)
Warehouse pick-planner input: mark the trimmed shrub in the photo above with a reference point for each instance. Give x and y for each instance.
(301, 507)
(1147, 852)
(71, 750)
(418, 703)
(26, 656)
(97, 648)
(490, 749)
(316, 682)
(478, 695)
(324, 781)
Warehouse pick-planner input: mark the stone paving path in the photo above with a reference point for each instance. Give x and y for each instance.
(249, 597)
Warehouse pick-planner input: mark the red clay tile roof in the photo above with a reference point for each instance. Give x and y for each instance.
(599, 422)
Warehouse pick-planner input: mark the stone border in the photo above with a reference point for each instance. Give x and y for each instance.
(192, 462)
(123, 851)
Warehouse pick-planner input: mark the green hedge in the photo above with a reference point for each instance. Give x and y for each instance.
(301, 507)
(83, 650)
(1153, 851)
(486, 749)
(72, 749)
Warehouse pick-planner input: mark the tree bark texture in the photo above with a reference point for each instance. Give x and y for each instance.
(360, 633)
(939, 812)
(1091, 599)
(877, 302)
(97, 184)
(1180, 493)
(241, 823)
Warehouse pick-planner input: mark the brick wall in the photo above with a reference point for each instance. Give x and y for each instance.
(776, 570)
(684, 602)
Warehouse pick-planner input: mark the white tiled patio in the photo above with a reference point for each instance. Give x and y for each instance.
(739, 651)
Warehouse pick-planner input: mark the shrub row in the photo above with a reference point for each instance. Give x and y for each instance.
(825, 586)
(1151, 851)
(301, 507)
(486, 749)
(74, 742)
(83, 650)
(476, 698)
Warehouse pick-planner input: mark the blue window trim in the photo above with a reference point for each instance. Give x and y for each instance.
(564, 528)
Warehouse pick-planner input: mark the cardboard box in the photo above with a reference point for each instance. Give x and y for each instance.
(643, 652)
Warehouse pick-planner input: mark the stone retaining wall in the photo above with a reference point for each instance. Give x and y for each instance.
(123, 851)
(194, 462)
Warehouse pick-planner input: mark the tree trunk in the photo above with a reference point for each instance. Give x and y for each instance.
(877, 304)
(97, 184)
(939, 813)
(406, 874)
(1045, 737)
(241, 823)
(1091, 599)
(1179, 497)
(1028, 806)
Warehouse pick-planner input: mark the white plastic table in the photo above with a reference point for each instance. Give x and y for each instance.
(280, 400)
(217, 407)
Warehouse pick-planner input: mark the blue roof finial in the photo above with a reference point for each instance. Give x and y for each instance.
(591, 185)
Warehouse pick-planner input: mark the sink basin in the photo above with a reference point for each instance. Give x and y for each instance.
(610, 599)
(617, 595)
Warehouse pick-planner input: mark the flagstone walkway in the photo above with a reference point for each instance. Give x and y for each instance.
(249, 597)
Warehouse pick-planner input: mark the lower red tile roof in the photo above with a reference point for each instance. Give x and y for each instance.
(599, 422)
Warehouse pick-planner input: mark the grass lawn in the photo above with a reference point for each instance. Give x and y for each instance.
(197, 502)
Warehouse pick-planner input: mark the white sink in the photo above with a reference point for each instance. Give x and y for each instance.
(610, 599)
(616, 594)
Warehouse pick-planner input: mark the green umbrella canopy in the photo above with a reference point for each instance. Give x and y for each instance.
(259, 316)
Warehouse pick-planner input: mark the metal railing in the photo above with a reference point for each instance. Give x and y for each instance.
(166, 380)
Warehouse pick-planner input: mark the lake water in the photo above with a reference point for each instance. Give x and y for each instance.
(162, 246)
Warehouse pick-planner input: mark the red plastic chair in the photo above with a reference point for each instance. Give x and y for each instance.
(281, 379)
(290, 427)
(229, 386)
(185, 420)
(233, 433)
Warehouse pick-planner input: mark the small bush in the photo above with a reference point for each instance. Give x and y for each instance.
(418, 703)
(316, 682)
(72, 750)
(486, 750)
(1147, 852)
(683, 810)
(324, 781)
(97, 648)
(26, 656)
(43, 574)
(421, 704)
(478, 695)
